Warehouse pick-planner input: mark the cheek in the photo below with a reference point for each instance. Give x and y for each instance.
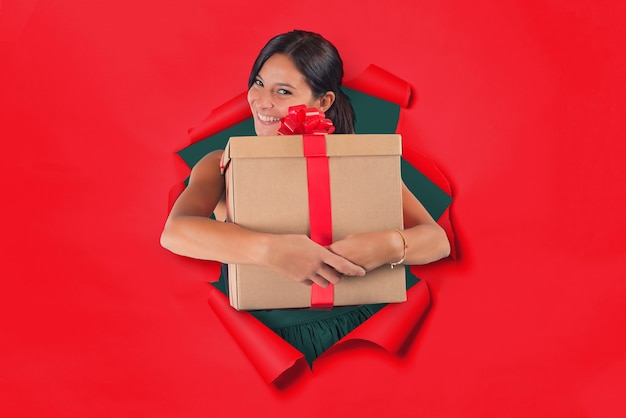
(251, 96)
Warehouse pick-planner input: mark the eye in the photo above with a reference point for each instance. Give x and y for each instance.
(258, 82)
(283, 92)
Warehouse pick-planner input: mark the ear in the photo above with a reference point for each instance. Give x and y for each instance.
(326, 101)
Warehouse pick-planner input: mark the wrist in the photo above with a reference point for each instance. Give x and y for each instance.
(399, 247)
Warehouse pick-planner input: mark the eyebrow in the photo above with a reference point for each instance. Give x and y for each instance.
(280, 84)
(286, 85)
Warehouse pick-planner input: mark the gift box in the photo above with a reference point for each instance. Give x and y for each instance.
(327, 186)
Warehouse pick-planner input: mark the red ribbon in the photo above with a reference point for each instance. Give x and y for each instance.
(312, 125)
(301, 120)
(320, 215)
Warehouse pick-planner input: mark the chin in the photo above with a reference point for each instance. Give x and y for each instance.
(266, 131)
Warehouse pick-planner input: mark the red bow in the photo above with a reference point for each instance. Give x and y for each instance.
(301, 120)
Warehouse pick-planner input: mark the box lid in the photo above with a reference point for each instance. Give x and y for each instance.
(291, 145)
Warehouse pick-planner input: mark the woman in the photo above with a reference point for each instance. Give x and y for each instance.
(296, 68)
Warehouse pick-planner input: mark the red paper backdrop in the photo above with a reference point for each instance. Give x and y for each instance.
(521, 103)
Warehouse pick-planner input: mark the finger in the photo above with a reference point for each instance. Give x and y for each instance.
(319, 280)
(343, 265)
(330, 274)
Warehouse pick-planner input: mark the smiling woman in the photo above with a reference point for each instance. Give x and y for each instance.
(292, 69)
(314, 66)
(278, 86)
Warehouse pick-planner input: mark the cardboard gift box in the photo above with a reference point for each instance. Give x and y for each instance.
(267, 188)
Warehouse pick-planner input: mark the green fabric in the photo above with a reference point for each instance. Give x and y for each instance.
(373, 115)
(317, 335)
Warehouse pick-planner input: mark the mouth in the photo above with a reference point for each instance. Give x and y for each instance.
(267, 119)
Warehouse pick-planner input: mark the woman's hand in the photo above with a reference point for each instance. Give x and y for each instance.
(303, 260)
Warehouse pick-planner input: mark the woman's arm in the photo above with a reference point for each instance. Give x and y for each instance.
(190, 232)
(426, 241)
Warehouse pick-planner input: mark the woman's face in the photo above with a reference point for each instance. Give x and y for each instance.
(278, 86)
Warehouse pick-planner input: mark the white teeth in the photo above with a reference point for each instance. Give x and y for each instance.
(264, 118)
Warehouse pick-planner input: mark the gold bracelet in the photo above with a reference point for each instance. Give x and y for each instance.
(404, 247)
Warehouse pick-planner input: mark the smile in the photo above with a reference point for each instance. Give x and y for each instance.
(264, 118)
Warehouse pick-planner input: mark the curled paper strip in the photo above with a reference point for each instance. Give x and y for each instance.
(230, 113)
(382, 84)
(302, 120)
(269, 353)
(389, 329)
